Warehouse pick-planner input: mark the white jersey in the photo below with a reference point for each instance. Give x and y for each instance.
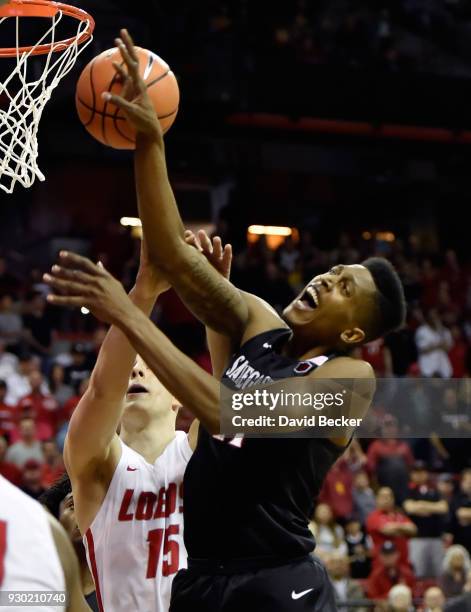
(135, 542)
(28, 557)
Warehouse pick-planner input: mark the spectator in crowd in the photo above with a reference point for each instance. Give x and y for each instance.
(8, 470)
(458, 353)
(31, 479)
(53, 466)
(337, 489)
(388, 572)
(355, 457)
(359, 547)
(41, 406)
(364, 500)
(434, 341)
(7, 413)
(461, 603)
(460, 513)
(451, 422)
(428, 511)
(446, 487)
(400, 599)
(401, 345)
(28, 445)
(59, 502)
(11, 325)
(455, 568)
(72, 403)
(80, 366)
(8, 362)
(18, 382)
(329, 534)
(390, 459)
(346, 589)
(434, 600)
(378, 355)
(37, 325)
(388, 523)
(57, 387)
(67, 410)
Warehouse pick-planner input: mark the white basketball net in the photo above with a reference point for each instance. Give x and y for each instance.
(26, 100)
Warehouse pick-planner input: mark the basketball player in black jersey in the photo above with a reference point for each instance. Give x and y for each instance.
(247, 505)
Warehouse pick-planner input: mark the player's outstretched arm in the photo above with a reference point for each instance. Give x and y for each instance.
(92, 438)
(213, 300)
(83, 283)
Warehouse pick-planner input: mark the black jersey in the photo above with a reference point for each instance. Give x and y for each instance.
(253, 497)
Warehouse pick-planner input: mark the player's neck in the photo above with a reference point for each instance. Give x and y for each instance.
(298, 348)
(149, 441)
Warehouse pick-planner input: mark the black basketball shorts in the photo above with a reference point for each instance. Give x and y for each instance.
(301, 585)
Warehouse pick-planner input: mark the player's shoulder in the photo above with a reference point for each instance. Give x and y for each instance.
(262, 317)
(344, 366)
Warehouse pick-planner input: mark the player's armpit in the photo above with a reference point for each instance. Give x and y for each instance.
(70, 567)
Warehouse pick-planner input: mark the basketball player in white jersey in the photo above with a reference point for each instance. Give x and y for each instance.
(127, 489)
(35, 555)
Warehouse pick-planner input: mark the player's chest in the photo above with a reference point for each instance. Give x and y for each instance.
(149, 501)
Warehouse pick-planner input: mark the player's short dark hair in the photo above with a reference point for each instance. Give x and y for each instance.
(55, 494)
(389, 299)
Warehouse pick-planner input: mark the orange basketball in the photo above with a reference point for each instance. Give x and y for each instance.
(104, 120)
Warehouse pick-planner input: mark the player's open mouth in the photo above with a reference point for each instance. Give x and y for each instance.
(309, 300)
(136, 388)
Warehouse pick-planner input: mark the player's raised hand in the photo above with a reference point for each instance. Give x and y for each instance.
(218, 256)
(134, 100)
(77, 281)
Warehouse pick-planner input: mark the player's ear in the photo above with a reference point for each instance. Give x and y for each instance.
(350, 337)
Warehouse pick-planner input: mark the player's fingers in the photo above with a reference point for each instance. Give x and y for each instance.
(120, 101)
(192, 240)
(61, 300)
(123, 75)
(132, 63)
(66, 287)
(77, 262)
(205, 241)
(129, 43)
(73, 275)
(227, 259)
(217, 247)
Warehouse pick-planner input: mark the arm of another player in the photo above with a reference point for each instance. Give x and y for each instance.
(90, 285)
(75, 599)
(213, 299)
(220, 257)
(92, 440)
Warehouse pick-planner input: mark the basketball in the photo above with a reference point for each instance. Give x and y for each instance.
(103, 120)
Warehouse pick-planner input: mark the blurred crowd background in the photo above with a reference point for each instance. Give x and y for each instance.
(393, 522)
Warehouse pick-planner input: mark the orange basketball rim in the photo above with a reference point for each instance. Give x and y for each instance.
(45, 8)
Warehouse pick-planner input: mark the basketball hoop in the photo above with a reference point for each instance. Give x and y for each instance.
(26, 94)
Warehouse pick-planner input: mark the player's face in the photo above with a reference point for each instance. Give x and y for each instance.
(67, 519)
(333, 307)
(145, 391)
